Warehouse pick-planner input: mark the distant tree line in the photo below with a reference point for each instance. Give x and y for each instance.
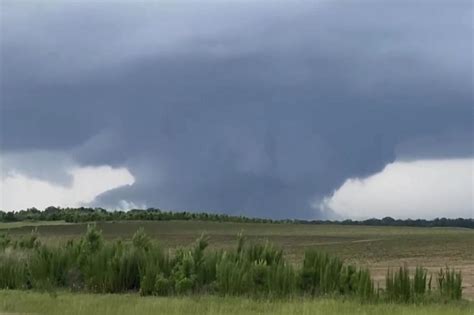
(389, 221)
(82, 214)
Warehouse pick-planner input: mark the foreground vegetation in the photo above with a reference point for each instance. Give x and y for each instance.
(75, 215)
(28, 302)
(377, 248)
(251, 270)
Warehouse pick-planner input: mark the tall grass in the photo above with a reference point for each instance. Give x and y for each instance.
(450, 283)
(250, 269)
(256, 269)
(400, 287)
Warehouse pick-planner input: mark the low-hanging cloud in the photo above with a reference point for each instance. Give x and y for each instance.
(245, 108)
(414, 189)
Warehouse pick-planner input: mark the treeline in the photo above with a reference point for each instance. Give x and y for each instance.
(76, 215)
(82, 214)
(254, 270)
(388, 221)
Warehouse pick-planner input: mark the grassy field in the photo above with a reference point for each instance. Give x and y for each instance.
(29, 224)
(14, 302)
(375, 247)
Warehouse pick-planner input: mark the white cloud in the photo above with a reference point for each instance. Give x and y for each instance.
(18, 191)
(413, 189)
(125, 205)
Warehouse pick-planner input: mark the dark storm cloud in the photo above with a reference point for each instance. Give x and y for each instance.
(248, 108)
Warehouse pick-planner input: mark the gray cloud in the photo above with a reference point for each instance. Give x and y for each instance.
(240, 107)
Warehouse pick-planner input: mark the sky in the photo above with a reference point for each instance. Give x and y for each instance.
(284, 109)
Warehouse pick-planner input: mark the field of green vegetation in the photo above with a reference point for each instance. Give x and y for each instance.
(375, 248)
(21, 302)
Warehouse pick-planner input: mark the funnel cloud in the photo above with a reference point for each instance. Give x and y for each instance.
(248, 108)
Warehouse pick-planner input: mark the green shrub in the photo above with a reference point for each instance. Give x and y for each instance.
(92, 240)
(254, 270)
(282, 280)
(30, 241)
(147, 284)
(184, 285)
(363, 285)
(162, 286)
(5, 241)
(419, 282)
(398, 285)
(140, 240)
(321, 273)
(13, 272)
(450, 284)
(232, 275)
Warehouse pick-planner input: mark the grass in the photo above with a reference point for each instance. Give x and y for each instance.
(375, 247)
(257, 270)
(93, 265)
(14, 225)
(22, 302)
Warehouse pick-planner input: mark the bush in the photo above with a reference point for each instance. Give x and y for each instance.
(162, 285)
(254, 270)
(450, 284)
(92, 240)
(397, 285)
(5, 241)
(147, 284)
(13, 272)
(401, 287)
(233, 275)
(363, 285)
(31, 241)
(419, 282)
(141, 240)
